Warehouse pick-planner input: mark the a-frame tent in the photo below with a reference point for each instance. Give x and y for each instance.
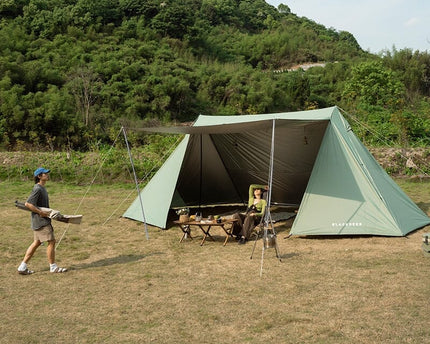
(319, 165)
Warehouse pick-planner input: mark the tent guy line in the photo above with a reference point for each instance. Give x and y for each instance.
(89, 187)
(387, 143)
(168, 152)
(135, 181)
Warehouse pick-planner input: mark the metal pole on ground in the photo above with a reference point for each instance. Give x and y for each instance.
(136, 182)
(268, 224)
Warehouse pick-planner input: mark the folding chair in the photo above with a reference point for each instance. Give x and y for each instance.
(258, 230)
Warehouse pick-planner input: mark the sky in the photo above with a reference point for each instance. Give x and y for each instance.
(377, 25)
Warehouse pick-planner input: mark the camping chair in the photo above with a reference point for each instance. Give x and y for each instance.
(258, 230)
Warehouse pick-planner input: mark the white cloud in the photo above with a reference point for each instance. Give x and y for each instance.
(412, 22)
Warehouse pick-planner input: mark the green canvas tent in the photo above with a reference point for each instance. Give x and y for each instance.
(319, 165)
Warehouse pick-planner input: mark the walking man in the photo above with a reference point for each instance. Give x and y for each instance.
(40, 224)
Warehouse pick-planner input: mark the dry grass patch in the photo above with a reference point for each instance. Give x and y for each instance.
(123, 288)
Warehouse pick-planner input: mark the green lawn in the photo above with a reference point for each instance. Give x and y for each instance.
(123, 288)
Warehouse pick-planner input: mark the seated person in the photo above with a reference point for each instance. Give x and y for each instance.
(256, 208)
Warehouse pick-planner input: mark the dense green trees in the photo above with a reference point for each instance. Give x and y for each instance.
(381, 97)
(72, 70)
(372, 84)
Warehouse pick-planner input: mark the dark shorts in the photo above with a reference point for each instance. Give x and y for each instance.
(45, 233)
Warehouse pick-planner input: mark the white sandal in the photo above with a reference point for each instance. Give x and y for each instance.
(58, 270)
(26, 272)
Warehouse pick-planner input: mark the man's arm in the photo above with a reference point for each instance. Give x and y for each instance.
(36, 210)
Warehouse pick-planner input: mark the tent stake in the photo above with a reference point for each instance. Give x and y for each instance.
(136, 182)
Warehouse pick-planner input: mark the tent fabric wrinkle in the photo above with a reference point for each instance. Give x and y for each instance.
(319, 165)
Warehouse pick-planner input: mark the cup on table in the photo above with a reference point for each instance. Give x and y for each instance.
(198, 216)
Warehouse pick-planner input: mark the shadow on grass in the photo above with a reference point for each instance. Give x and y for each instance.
(424, 206)
(288, 255)
(281, 256)
(122, 259)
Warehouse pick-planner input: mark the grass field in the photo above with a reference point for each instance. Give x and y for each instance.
(123, 288)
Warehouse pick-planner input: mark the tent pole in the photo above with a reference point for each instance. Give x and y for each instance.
(272, 150)
(136, 182)
(267, 216)
(201, 172)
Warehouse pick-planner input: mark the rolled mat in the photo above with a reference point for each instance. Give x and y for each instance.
(54, 214)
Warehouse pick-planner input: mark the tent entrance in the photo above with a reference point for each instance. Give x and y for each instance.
(217, 169)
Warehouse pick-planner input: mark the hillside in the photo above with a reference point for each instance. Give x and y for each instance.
(73, 71)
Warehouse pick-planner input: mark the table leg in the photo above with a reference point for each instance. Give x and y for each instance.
(228, 232)
(206, 234)
(186, 229)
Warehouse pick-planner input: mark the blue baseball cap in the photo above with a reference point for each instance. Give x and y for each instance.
(41, 170)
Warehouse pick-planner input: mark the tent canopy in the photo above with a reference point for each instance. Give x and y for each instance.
(319, 166)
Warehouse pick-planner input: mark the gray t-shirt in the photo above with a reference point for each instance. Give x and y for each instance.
(39, 198)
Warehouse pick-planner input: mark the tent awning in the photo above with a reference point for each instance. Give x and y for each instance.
(227, 128)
